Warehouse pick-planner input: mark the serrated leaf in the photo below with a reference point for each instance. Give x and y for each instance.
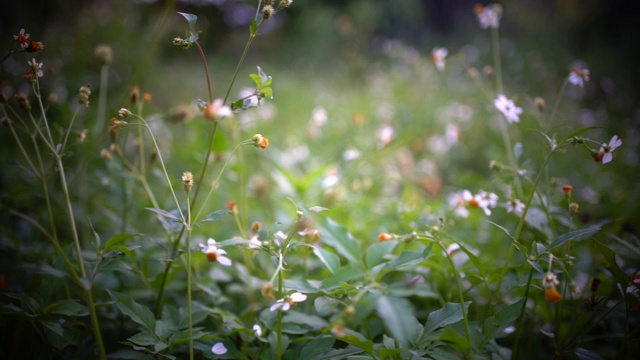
(143, 338)
(191, 19)
(140, 314)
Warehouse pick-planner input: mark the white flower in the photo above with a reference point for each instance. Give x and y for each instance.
(254, 243)
(214, 254)
(508, 108)
(607, 150)
(319, 116)
(217, 110)
(459, 202)
(515, 206)
(579, 76)
(489, 16)
(385, 134)
(288, 301)
(219, 349)
(36, 66)
(437, 57)
(331, 178)
(451, 249)
(257, 330)
(550, 280)
(350, 154)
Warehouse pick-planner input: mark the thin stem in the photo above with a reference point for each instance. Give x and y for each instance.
(206, 71)
(460, 293)
(252, 35)
(189, 309)
(496, 58)
(557, 105)
(519, 326)
(519, 229)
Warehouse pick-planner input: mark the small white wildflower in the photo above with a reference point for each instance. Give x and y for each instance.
(437, 57)
(219, 349)
(285, 303)
(508, 108)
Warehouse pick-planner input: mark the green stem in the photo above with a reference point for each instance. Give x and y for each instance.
(189, 309)
(519, 229)
(557, 105)
(460, 293)
(519, 326)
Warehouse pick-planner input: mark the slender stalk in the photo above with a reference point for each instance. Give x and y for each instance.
(519, 229)
(460, 293)
(519, 326)
(189, 309)
(557, 105)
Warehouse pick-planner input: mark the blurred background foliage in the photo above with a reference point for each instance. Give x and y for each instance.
(356, 59)
(366, 64)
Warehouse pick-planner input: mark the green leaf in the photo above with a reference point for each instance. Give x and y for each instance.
(143, 338)
(451, 313)
(52, 324)
(218, 214)
(345, 274)
(330, 260)
(502, 319)
(266, 92)
(115, 242)
(407, 259)
(336, 236)
(576, 235)
(621, 277)
(376, 252)
(164, 213)
(66, 307)
(397, 316)
(265, 80)
(581, 131)
(256, 80)
(138, 313)
(191, 19)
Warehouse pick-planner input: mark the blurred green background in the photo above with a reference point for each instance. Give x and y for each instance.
(364, 62)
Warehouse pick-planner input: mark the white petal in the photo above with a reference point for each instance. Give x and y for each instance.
(223, 260)
(298, 297)
(257, 330)
(219, 349)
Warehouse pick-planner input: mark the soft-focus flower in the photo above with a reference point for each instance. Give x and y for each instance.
(607, 150)
(35, 46)
(287, 302)
(254, 243)
(219, 349)
(488, 16)
(187, 180)
(257, 330)
(579, 76)
(508, 108)
(567, 189)
(515, 206)
(217, 111)
(550, 280)
(279, 237)
(214, 254)
(385, 134)
(116, 124)
(459, 202)
(437, 57)
(331, 178)
(104, 53)
(350, 154)
(451, 249)
(260, 141)
(22, 38)
(552, 295)
(36, 66)
(384, 237)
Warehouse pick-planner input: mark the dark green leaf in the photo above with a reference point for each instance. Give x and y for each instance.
(143, 338)
(136, 312)
(345, 274)
(116, 240)
(576, 235)
(502, 319)
(67, 307)
(451, 313)
(581, 131)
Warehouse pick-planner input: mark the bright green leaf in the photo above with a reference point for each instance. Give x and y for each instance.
(218, 214)
(136, 312)
(397, 316)
(336, 236)
(376, 252)
(116, 240)
(451, 313)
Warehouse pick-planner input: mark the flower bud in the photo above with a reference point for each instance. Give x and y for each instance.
(104, 54)
(187, 181)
